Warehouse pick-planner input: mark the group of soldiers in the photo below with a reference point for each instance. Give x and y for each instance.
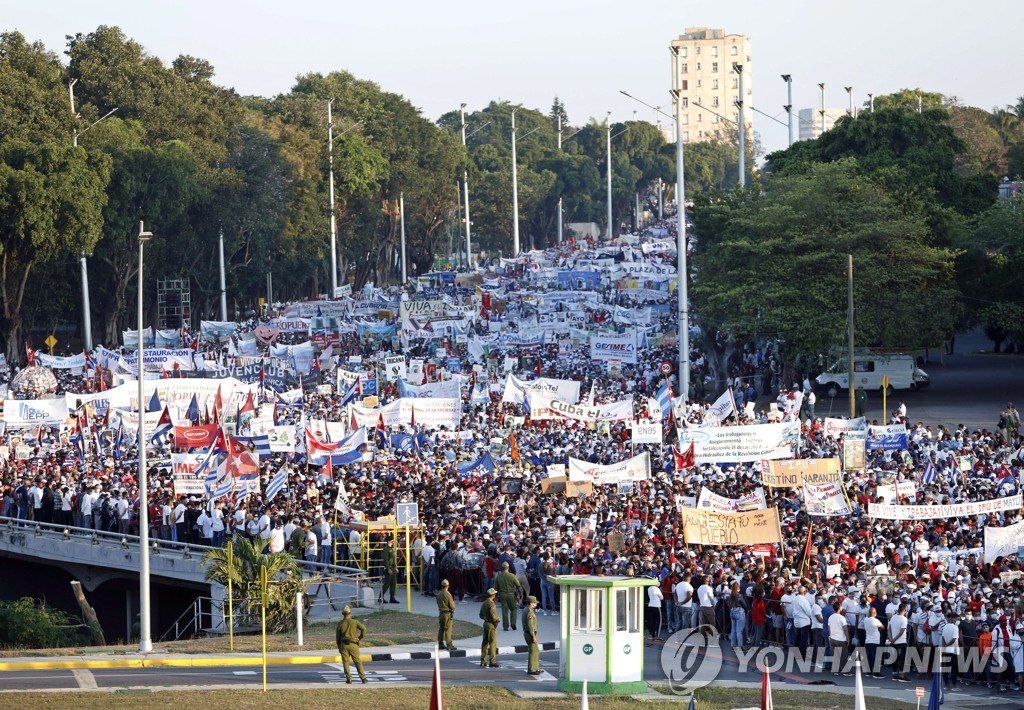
(506, 586)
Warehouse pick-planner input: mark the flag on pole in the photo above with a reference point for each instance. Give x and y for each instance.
(164, 430)
(929, 475)
(937, 696)
(351, 394)
(326, 474)
(193, 411)
(724, 407)
(766, 691)
(513, 447)
(436, 701)
(685, 459)
(154, 403)
(381, 432)
(664, 397)
(276, 484)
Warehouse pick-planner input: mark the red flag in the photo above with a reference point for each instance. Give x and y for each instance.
(809, 547)
(352, 423)
(686, 459)
(766, 691)
(30, 356)
(248, 405)
(513, 447)
(436, 701)
(328, 470)
(412, 420)
(218, 404)
(241, 462)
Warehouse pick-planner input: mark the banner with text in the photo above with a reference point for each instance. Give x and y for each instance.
(935, 512)
(793, 473)
(741, 444)
(708, 527)
(826, 499)
(634, 469)
(1000, 542)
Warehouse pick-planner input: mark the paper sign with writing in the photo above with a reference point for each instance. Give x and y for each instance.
(708, 527)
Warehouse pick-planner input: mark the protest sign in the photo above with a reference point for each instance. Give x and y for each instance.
(793, 473)
(708, 527)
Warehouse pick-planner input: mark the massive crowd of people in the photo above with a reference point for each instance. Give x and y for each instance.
(923, 581)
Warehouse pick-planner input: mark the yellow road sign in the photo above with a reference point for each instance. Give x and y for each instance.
(50, 342)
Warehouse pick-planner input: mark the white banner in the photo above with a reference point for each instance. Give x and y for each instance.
(185, 480)
(547, 408)
(826, 499)
(563, 390)
(282, 438)
(61, 363)
(635, 469)
(430, 413)
(1000, 542)
(723, 408)
(834, 427)
(394, 367)
(22, 413)
(741, 444)
(889, 492)
(448, 389)
(619, 346)
(647, 433)
(712, 501)
(935, 512)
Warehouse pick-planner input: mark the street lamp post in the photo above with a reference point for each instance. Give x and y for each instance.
(559, 197)
(871, 102)
(83, 266)
(681, 267)
(515, 193)
(822, 111)
(608, 141)
(330, 187)
(741, 127)
(788, 78)
(849, 97)
(145, 639)
(401, 218)
(465, 183)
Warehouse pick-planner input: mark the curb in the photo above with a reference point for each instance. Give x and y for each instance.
(250, 660)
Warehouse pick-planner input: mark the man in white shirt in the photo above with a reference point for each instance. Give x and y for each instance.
(898, 629)
(706, 600)
(683, 592)
(801, 612)
(949, 645)
(263, 527)
(839, 638)
(123, 513)
(787, 601)
(218, 524)
(277, 539)
(429, 570)
(205, 523)
(310, 550)
(179, 532)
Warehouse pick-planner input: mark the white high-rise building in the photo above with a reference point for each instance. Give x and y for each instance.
(709, 83)
(812, 124)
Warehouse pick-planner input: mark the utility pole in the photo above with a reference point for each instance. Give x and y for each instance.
(559, 197)
(683, 305)
(788, 78)
(849, 317)
(223, 280)
(742, 128)
(822, 111)
(401, 217)
(608, 133)
(465, 184)
(330, 187)
(849, 97)
(515, 193)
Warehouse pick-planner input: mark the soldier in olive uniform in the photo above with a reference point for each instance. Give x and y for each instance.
(507, 583)
(530, 634)
(348, 636)
(390, 572)
(445, 612)
(489, 647)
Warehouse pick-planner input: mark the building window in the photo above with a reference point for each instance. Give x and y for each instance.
(686, 119)
(698, 83)
(627, 612)
(686, 136)
(686, 100)
(699, 116)
(714, 66)
(714, 119)
(734, 50)
(686, 68)
(714, 51)
(682, 51)
(685, 87)
(714, 100)
(697, 49)
(698, 66)
(714, 83)
(589, 610)
(735, 83)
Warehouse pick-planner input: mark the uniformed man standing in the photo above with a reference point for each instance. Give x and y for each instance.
(507, 583)
(489, 647)
(530, 634)
(348, 636)
(390, 563)
(445, 612)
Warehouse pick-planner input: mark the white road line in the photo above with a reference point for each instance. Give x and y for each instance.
(85, 679)
(243, 673)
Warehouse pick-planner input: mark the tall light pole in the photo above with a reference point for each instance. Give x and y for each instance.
(788, 78)
(871, 102)
(145, 640)
(849, 97)
(223, 279)
(401, 218)
(515, 193)
(559, 197)
(681, 266)
(330, 187)
(83, 266)
(822, 111)
(465, 183)
(608, 141)
(741, 127)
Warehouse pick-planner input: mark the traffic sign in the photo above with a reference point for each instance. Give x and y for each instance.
(919, 692)
(885, 382)
(51, 342)
(407, 513)
(666, 367)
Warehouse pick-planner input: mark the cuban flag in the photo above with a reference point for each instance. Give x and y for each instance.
(352, 394)
(193, 411)
(526, 404)
(119, 440)
(164, 430)
(664, 398)
(276, 484)
(1006, 476)
(211, 461)
(90, 364)
(326, 474)
(259, 445)
(381, 432)
(78, 442)
(930, 475)
(241, 463)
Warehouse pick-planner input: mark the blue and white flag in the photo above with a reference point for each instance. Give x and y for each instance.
(276, 484)
(929, 476)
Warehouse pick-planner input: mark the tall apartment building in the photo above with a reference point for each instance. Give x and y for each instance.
(709, 83)
(811, 124)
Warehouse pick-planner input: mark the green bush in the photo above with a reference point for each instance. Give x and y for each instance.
(25, 623)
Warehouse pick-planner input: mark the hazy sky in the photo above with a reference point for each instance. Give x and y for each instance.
(440, 53)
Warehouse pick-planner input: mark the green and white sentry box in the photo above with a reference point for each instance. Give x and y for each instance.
(602, 633)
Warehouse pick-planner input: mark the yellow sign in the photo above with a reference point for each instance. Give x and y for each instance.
(885, 382)
(50, 342)
(792, 473)
(709, 527)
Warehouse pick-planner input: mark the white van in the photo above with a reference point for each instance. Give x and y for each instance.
(868, 370)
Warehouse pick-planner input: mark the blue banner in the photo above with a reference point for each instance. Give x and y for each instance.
(892, 437)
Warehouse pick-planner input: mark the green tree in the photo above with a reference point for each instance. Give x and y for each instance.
(284, 581)
(773, 264)
(25, 623)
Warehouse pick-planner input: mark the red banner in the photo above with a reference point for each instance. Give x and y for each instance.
(194, 437)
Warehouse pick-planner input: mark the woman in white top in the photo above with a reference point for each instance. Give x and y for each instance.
(654, 600)
(872, 639)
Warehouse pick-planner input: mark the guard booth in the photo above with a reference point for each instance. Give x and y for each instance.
(602, 633)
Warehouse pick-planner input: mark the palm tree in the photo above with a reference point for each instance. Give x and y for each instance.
(284, 581)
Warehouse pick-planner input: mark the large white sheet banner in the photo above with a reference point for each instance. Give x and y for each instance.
(177, 392)
(185, 480)
(546, 408)
(22, 413)
(741, 444)
(446, 389)
(834, 427)
(934, 512)
(614, 346)
(562, 390)
(826, 500)
(749, 501)
(635, 469)
(57, 362)
(1000, 542)
(431, 413)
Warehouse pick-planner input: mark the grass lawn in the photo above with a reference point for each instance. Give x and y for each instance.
(383, 628)
(455, 698)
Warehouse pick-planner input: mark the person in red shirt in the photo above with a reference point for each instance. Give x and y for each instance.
(758, 617)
